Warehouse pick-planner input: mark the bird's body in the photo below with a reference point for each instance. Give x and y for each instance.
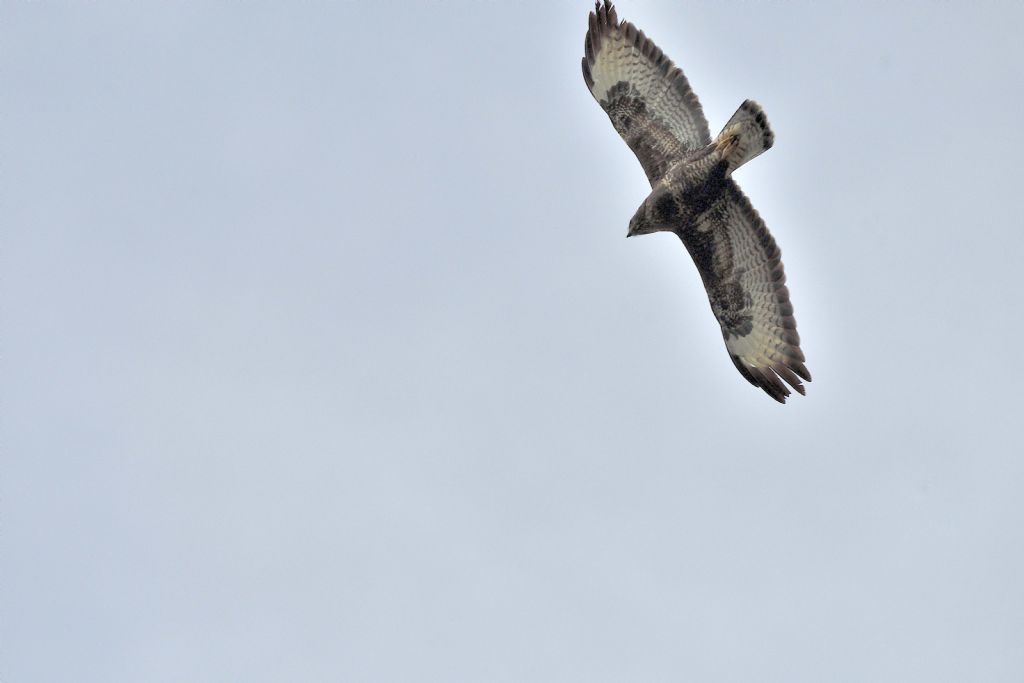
(651, 105)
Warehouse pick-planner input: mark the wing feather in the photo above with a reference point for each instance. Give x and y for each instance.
(742, 271)
(646, 96)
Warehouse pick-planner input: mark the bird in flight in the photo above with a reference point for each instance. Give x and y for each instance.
(651, 105)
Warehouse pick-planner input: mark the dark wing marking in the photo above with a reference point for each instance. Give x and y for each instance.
(742, 271)
(647, 97)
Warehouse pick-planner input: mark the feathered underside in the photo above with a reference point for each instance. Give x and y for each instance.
(746, 283)
(646, 96)
(651, 105)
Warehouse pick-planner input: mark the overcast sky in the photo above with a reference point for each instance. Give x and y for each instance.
(325, 358)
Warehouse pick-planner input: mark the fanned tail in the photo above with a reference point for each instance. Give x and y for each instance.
(745, 136)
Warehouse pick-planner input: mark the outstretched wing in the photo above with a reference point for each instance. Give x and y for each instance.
(647, 98)
(742, 271)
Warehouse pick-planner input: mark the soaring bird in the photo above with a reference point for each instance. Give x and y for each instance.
(651, 105)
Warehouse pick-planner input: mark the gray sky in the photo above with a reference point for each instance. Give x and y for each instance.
(325, 357)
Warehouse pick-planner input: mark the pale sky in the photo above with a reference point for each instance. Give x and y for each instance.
(325, 357)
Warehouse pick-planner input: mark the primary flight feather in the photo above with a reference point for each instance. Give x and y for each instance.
(651, 105)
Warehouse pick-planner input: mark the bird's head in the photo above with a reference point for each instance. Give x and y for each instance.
(660, 211)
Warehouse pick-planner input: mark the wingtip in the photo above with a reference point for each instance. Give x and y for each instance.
(799, 368)
(773, 379)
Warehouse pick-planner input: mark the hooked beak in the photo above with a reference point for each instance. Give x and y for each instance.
(632, 227)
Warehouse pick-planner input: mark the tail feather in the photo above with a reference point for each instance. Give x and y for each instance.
(745, 136)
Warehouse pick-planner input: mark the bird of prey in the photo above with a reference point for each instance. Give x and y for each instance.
(651, 105)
